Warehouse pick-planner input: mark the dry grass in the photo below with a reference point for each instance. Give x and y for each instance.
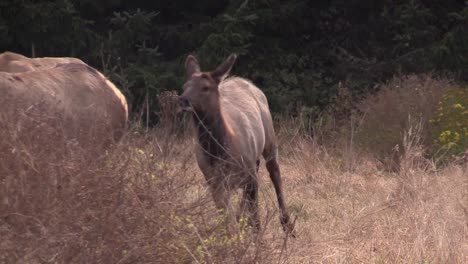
(399, 104)
(145, 201)
(367, 215)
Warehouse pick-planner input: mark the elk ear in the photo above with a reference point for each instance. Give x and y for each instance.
(191, 66)
(223, 70)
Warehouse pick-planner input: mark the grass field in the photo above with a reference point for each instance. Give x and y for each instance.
(145, 201)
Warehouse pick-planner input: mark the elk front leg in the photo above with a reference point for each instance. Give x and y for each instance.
(250, 204)
(220, 196)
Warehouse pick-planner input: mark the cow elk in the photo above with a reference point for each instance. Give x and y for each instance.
(234, 128)
(66, 91)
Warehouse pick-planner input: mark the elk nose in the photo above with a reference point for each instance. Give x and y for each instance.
(184, 103)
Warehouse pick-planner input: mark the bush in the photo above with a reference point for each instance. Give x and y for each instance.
(142, 201)
(401, 103)
(450, 125)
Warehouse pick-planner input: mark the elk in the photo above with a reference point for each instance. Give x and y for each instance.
(67, 91)
(16, 63)
(234, 128)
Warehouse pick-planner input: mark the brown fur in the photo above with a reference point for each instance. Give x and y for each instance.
(15, 63)
(66, 89)
(234, 129)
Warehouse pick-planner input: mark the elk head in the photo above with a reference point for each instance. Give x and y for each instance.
(201, 91)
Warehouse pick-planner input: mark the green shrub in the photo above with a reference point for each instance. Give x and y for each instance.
(450, 124)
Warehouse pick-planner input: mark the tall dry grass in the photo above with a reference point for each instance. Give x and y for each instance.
(144, 201)
(402, 102)
(141, 201)
(364, 214)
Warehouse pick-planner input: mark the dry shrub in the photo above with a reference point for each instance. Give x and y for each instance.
(399, 104)
(140, 201)
(168, 115)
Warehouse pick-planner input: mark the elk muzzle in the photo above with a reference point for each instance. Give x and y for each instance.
(184, 104)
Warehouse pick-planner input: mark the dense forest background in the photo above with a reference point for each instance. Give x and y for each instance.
(297, 52)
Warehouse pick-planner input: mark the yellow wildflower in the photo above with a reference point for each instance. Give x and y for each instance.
(458, 106)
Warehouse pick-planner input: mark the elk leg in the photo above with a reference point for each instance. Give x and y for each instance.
(275, 176)
(250, 203)
(220, 196)
(258, 165)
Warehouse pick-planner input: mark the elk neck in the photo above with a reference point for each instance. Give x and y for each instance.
(214, 134)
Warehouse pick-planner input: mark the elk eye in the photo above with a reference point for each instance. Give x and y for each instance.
(205, 88)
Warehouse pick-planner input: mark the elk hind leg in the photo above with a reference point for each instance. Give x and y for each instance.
(275, 176)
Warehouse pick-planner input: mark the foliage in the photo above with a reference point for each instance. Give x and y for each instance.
(450, 124)
(451, 53)
(296, 51)
(136, 73)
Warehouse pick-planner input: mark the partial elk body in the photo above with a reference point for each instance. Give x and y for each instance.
(64, 90)
(234, 129)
